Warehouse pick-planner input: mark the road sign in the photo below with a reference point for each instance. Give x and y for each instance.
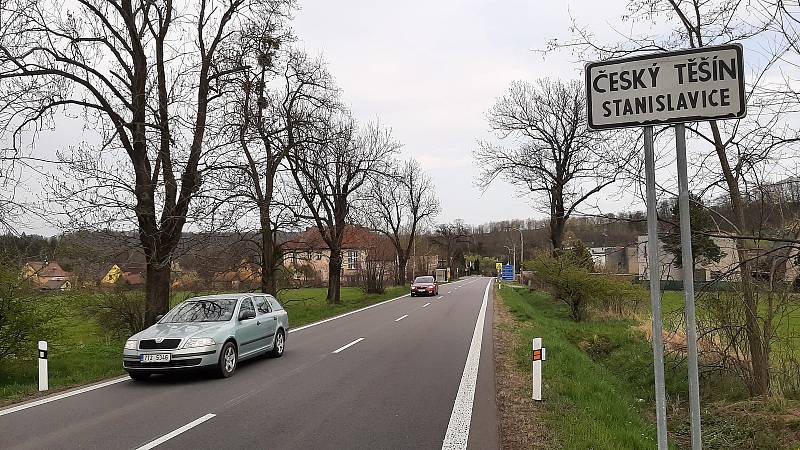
(507, 273)
(499, 267)
(683, 86)
(668, 88)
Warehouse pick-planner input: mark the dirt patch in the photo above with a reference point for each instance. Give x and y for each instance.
(519, 415)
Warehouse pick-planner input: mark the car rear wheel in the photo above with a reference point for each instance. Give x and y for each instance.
(279, 345)
(139, 376)
(227, 360)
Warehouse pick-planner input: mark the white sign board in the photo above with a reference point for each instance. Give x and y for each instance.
(684, 86)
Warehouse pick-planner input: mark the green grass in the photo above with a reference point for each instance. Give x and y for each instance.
(788, 329)
(80, 352)
(586, 404)
(599, 385)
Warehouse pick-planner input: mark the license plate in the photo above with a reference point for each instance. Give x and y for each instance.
(155, 358)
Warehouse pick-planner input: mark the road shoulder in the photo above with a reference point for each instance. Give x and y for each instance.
(485, 431)
(520, 427)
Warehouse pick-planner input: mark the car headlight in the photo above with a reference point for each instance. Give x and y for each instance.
(131, 344)
(199, 342)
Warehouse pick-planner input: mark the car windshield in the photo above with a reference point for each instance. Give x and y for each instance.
(423, 280)
(217, 310)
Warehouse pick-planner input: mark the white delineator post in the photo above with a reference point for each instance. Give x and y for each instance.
(537, 356)
(43, 366)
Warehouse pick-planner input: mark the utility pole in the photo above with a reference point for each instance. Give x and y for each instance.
(514, 262)
(521, 250)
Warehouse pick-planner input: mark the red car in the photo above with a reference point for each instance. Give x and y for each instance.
(424, 286)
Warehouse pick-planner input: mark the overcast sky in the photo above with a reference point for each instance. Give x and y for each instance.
(431, 69)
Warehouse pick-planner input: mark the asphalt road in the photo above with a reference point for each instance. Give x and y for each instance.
(417, 375)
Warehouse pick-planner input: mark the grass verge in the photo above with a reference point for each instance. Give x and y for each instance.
(598, 386)
(585, 405)
(81, 353)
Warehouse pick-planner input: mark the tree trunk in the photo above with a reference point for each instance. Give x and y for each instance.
(759, 355)
(402, 263)
(557, 233)
(335, 277)
(758, 347)
(270, 258)
(156, 290)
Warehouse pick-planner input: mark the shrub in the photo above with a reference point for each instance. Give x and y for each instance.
(119, 313)
(372, 277)
(23, 320)
(567, 276)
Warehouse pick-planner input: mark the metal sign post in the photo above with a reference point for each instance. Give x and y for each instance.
(654, 270)
(690, 85)
(688, 285)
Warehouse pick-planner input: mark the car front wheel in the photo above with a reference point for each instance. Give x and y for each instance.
(227, 360)
(279, 346)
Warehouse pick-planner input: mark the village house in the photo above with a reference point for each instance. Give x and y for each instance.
(726, 269)
(615, 260)
(47, 276)
(307, 255)
(131, 274)
(245, 276)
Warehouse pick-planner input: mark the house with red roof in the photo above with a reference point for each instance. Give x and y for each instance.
(307, 255)
(47, 276)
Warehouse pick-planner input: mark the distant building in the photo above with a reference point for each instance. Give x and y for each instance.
(247, 275)
(124, 275)
(609, 259)
(47, 276)
(308, 255)
(57, 285)
(726, 269)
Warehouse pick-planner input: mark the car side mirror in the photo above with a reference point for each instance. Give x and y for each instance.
(245, 315)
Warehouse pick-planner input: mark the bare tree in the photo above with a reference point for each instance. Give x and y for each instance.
(330, 175)
(281, 96)
(742, 148)
(449, 236)
(147, 77)
(550, 153)
(400, 204)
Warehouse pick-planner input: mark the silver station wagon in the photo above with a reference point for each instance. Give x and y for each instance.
(211, 332)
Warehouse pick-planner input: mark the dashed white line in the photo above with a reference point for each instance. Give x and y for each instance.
(449, 292)
(172, 434)
(440, 297)
(458, 429)
(401, 318)
(344, 347)
(426, 304)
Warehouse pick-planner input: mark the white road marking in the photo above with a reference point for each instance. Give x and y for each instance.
(458, 429)
(172, 434)
(345, 314)
(53, 398)
(440, 297)
(344, 347)
(113, 381)
(449, 292)
(401, 318)
(426, 304)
